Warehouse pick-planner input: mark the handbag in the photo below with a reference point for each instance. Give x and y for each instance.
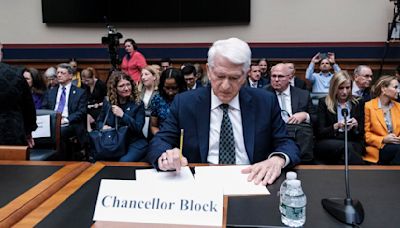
(108, 143)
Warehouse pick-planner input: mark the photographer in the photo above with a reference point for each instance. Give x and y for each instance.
(133, 62)
(320, 81)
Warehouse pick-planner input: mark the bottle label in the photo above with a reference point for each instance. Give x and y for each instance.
(293, 213)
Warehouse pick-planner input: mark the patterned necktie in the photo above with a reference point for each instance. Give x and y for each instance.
(226, 139)
(61, 103)
(284, 112)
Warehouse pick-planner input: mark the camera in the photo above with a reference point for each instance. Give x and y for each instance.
(323, 56)
(112, 40)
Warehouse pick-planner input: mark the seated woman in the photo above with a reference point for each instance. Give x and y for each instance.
(329, 147)
(148, 89)
(96, 91)
(123, 105)
(382, 123)
(37, 85)
(171, 83)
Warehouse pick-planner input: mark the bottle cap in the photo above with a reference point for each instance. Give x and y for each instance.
(294, 183)
(291, 175)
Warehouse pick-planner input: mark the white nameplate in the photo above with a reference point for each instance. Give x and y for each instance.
(43, 129)
(160, 203)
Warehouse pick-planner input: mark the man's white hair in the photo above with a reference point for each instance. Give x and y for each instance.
(235, 50)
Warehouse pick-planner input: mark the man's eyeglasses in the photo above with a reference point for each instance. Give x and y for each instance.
(279, 76)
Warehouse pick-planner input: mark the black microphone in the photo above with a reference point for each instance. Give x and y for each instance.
(345, 210)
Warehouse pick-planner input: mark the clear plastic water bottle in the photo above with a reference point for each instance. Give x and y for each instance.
(289, 176)
(293, 205)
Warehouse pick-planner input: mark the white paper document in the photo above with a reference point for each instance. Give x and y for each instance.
(43, 130)
(152, 175)
(230, 178)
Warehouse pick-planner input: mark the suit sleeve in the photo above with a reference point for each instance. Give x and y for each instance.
(370, 137)
(28, 108)
(136, 120)
(325, 128)
(168, 136)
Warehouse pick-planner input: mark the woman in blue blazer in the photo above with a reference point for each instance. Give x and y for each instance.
(124, 105)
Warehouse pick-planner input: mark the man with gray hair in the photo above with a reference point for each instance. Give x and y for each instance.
(226, 123)
(71, 102)
(362, 81)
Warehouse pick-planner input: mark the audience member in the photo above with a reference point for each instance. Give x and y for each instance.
(201, 76)
(51, 77)
(71, 102)
(264, 68)
(124, 105)
(382, 125)
(189, 73)
(362, 81)
(329, 147)
(133, 61)
(171, 83)
(320, 81)
(243, 140)
(76, 76)
(17, 110)
(295, 81)
(165, 63)
(148, 88)
(96, 91)
(36, 84)
(295, 103)
(254, 79)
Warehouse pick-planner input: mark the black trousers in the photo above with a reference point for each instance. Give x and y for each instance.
(331, 151)
(389, 155)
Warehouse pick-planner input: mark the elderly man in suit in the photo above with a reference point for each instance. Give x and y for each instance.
(362, 82)
(242, 125)
(71, 102)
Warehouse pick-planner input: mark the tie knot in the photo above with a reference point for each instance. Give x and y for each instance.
(63, 88)
(224, 107)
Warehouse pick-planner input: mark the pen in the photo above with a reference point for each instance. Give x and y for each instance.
(181, 145)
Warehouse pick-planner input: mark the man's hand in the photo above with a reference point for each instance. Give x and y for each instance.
(316, 58)
(170, 160)
(265, 172)
(331, 57)
(30, 141)
(297, 118)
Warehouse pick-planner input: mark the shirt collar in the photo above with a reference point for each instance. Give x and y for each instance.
(380, 104)
(216, 102)
(285, 92)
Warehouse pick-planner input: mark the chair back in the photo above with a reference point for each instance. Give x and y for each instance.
(13, 152)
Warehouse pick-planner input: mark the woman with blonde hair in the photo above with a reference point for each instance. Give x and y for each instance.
(148, 88)
(330, 136)
(382, 123)
(124, 105)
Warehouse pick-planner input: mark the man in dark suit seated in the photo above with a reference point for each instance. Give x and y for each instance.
(254, 79)
(71, 102)
(362, 79)
(190, 75)
(295, 81)
(295, 103)
(226, 123)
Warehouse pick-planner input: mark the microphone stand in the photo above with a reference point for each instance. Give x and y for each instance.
(346, 210)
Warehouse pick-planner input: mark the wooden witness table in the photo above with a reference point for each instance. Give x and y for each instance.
(24, 185)
(377, 188)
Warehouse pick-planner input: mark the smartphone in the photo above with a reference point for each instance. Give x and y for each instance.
(323, 56)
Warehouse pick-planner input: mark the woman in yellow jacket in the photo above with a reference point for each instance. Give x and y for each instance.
(382, 123)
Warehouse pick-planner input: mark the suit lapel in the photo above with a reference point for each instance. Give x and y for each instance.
(203, 122)
(53, 97)
(294, 100)
(247, 110)
(379, 114)
(395, 112)
(71, 97)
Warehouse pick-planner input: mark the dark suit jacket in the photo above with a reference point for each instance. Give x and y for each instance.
(263, 129)
(262, 83)
(300, 83)
(326, 119)
(301, 102)
(17, 110)
(77, 108)
(133, 118)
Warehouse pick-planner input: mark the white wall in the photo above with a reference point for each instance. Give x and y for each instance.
(271, 21)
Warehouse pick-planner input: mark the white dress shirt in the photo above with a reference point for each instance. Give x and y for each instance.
(64, 113)
(216, 115)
